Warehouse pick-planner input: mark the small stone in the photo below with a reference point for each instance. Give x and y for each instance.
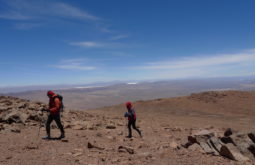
(31, 147)
(110, 127)
(126, 149)
(78, 150)
(67, 126)
(33, 124)
(192, 139)
(174, 145)
(78, 127)
(99, 134)
(93, 146)
(15, 130)
(8, 157)
(90, 145)
(120, 133)
(228, 132)
(77, 154)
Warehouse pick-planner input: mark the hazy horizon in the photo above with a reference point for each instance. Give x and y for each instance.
(124, 81)
(182, 85)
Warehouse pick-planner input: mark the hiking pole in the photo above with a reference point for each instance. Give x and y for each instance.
(39, 130)
(42, 122)
(40, 125)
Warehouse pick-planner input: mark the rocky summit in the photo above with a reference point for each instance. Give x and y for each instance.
(203, 128)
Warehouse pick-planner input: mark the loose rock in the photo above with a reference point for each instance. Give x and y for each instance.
(111, 127)
(126, 149)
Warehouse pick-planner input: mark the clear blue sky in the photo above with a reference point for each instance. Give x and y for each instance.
(83, 41)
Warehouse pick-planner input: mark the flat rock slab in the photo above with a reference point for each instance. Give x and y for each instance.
(231, 152)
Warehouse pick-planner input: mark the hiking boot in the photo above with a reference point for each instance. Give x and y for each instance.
(62, 136)
(140, 133)
(46, 137)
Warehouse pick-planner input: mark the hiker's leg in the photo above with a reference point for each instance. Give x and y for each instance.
(134, 127)
(129, 128)
(58, 122)
(49, 120)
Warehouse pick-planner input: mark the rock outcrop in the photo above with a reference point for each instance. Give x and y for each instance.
(14, 110)
(238, 146)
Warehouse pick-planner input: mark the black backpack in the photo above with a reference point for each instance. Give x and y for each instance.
(60, 97)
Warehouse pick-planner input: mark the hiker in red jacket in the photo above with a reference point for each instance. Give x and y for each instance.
(131, 119)
(54, 109)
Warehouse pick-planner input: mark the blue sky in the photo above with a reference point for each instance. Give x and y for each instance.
(69, 42)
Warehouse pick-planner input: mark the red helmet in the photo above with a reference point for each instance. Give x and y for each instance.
(128, 104)
(50, 93)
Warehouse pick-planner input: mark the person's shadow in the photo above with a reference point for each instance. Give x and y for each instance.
(54, 138)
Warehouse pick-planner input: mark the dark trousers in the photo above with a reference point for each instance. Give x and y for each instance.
(132, 123)
(58, 122)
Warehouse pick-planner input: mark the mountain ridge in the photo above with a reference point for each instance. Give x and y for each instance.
(96, 97)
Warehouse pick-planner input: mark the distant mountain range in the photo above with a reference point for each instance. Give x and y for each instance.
(97, 95)
(16, 89)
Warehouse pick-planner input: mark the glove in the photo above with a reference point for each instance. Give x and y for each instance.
(126, 114)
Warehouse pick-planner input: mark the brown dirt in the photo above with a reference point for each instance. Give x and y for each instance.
(164, 122)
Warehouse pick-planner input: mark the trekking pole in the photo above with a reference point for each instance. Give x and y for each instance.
(40, 126)
(42, 122)
(125, 129)
(39, 131)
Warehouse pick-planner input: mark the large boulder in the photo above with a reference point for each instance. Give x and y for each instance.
(203, 139)
(243, 142)
(235, 146)
(231, 152)
(215, 143)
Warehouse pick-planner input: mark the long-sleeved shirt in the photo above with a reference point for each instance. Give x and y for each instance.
(131, 114)
(54, 105)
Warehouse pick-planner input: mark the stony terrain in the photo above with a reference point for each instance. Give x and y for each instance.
(175, 131)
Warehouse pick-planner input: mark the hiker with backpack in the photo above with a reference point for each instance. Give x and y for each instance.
(131, 115)
(55, 107)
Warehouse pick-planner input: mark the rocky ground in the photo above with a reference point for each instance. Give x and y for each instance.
(175, 131)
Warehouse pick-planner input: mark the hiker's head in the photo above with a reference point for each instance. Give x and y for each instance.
(128, 105)
(50, 93)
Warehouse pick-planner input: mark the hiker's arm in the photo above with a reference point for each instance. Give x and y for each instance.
(57, 105)
(126, 114)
